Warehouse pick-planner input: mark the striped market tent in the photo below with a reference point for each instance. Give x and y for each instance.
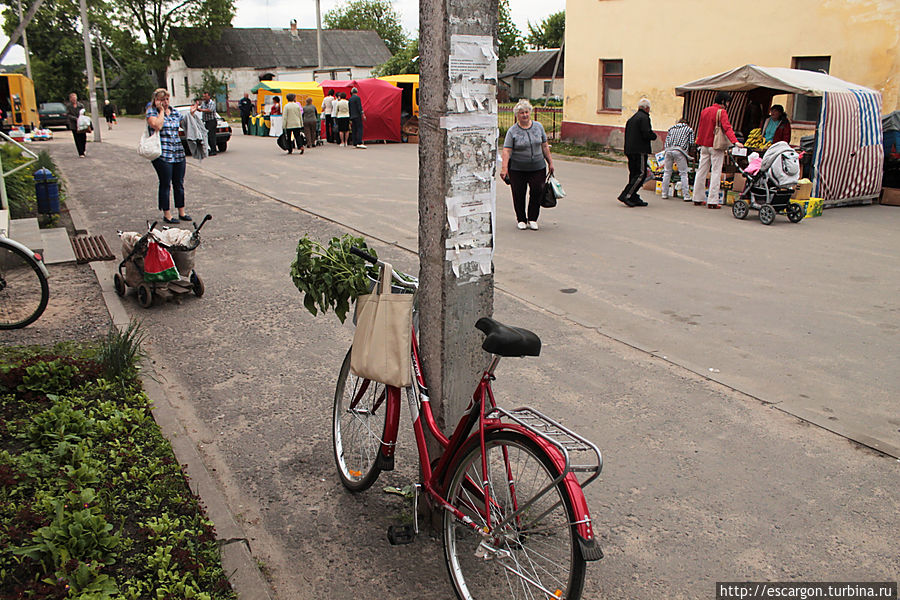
(848, 157)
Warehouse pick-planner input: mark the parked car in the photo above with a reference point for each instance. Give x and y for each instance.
(223, 130)
(53, 114)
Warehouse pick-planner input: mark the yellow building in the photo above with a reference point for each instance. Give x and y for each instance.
(623, 50)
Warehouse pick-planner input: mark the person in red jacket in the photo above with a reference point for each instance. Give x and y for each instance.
(711, 159)
(777, 128)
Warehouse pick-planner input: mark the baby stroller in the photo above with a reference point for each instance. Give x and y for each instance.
(181, 244)
(770, 188)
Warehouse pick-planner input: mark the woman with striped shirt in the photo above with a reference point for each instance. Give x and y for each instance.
(170, 165)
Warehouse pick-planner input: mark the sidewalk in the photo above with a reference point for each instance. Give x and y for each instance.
(701, 484)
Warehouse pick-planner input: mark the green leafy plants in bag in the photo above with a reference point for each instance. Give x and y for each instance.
(330, 277)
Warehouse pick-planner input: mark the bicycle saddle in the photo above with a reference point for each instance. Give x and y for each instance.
(504, 340)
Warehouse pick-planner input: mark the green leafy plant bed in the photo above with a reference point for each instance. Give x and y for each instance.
(93, 504)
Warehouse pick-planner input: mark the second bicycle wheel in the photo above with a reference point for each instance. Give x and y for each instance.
(360, 406)
(536, 554)
(23, 289)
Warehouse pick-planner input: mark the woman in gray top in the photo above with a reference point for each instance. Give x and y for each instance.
(526, 160)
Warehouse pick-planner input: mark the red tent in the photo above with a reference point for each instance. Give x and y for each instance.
(381, 103)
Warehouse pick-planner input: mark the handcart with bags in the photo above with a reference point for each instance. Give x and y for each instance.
(159, 263)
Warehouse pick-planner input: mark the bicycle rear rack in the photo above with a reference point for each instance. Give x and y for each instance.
(586, 454)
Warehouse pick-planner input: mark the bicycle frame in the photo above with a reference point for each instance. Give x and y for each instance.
(484, 414)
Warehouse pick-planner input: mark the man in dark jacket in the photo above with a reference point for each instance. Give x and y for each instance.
(245, 105)
(638, 135)
(357, 115)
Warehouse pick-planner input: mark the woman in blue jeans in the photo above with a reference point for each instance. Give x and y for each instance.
(170, 165)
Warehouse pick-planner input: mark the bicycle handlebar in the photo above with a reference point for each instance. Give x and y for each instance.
(363, 255)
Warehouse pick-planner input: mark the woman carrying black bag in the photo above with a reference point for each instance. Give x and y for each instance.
(526, 163)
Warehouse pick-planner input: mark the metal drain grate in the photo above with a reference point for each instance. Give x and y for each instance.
(91, 247)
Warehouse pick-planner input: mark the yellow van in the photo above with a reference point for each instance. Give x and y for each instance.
(18, 102)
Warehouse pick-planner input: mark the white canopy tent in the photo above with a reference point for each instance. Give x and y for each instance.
(848, 156)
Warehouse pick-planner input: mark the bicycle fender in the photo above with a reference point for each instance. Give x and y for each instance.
(590, 549)
(28, 252)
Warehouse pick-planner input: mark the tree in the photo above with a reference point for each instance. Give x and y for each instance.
(156, 18)
(549, 33)
(214, 82)
(405, 61)
(378, 15)
(508, 35)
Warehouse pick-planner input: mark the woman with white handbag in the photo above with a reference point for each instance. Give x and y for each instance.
(170, 164)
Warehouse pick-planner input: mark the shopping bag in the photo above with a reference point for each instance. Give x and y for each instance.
(720, 140)
(558, 190)
(284, 141)
(83, 123)
(150, 146)
(159, 264)
(382, 341)
(548, 196)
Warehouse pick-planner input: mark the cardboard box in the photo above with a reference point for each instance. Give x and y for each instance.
(890, 197)
(650, 185)
(412, 139)
(731, 196)
(739, 181)
(804, 189)
(812, 207)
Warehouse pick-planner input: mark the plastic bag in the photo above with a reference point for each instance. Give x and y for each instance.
(557, 187)
(83, 123)
(159, 264)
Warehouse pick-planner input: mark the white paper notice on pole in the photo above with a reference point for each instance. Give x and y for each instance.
(472, 57)
(463, 206)
(470, 264)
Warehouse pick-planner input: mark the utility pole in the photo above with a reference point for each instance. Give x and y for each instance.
(25, 45)
(457, 193)
(102, 70)
(89, 63)
(319, 31)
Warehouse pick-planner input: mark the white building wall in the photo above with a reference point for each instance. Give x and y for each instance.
(239, 80)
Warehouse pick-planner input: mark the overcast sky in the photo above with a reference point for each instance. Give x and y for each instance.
(278, 14)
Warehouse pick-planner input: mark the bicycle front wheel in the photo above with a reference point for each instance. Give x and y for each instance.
(23, 288)
(536, 554)
(360, 406)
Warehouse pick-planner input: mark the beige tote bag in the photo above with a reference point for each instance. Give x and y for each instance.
(720, 141)
(382, 342)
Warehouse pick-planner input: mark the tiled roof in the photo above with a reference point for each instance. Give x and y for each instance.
(270, 48)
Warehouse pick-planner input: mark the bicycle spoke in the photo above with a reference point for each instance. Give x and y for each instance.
(530, 551)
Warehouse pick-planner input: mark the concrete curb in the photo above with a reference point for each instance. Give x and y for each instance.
(238, 562)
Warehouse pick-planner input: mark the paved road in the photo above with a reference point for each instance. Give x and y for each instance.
(806, 317)
(701, 483)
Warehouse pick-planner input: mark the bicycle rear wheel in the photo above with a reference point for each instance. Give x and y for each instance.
(536, 555)
(360, 406)
(23, 288)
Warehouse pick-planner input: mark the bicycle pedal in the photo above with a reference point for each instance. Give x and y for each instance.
(399, 535)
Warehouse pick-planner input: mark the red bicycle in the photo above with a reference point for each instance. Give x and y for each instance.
(515, 520)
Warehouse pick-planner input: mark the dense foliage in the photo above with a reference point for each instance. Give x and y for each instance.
(549, 33)
(135, 36)
(508, 35)
(93, 504)
(378, 15)
(330, 277)
(405, 61)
